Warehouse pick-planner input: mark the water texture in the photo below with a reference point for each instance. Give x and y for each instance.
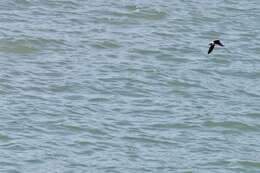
(127, 86)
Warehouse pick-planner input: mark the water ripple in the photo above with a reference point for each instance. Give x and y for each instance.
(128, 86)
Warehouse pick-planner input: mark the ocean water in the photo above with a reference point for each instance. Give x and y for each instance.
(127, 86)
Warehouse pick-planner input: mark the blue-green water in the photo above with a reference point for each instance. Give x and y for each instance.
(127, 86)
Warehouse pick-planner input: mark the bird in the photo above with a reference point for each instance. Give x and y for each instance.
(212, 45)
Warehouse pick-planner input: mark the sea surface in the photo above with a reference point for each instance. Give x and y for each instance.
(127, 86)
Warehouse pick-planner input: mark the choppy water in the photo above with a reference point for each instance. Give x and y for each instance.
(127, 86)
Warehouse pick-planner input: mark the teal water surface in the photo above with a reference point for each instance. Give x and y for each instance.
(127, 86)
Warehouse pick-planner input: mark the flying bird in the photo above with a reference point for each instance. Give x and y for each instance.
(212, 45)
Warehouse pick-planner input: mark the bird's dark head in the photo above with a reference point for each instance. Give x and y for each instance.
(210, 44)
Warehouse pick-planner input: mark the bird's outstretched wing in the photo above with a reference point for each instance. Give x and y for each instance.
(218, 42)
(211, 48)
